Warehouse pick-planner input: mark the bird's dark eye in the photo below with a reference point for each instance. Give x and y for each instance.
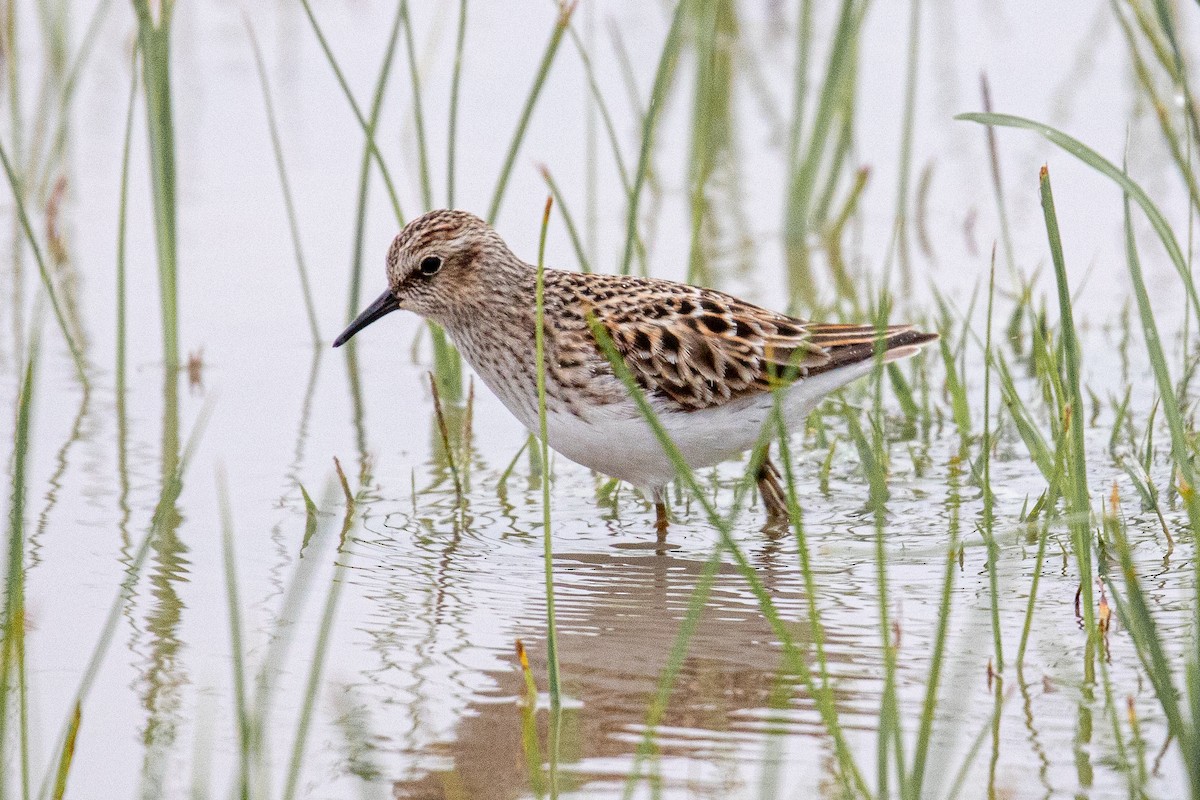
(430, 265)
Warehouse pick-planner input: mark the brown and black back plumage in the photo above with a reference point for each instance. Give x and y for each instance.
(701, 348)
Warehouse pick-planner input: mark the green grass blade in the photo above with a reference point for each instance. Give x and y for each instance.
(544, 444)
(1080, 505)
(1107, 168)
(154, 40)
(12, 648)
(68, 754)
(1150, 647)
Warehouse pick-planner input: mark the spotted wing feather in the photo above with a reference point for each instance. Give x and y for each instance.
(700, 348)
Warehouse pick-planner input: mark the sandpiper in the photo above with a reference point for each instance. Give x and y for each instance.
(706, 361)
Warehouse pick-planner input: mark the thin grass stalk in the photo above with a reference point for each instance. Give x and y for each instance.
(889, 715)
(68, 755)
(289, 205)
(237, 662)
(960, 775)
(368, 128)
(122, 229)
(47, 282)
(417, 112)
(452, 125)
(1080, 505)
(795, 662)
(565, 9)
(662, 79)
(907, 126)
(997, 184)
(320, 647)
(572, 231)
(1161, 111)
(989, 499)
(280, 641)
(12, 650)
(1134, 611)
(369, 151)
(12, 62)
(804, 41)
(154, 40)
(444, 432)
(555, 686)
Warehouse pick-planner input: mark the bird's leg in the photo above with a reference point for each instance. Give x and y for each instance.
(661, 518)
(770, 488)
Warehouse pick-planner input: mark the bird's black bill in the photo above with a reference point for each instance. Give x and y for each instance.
(385, 304)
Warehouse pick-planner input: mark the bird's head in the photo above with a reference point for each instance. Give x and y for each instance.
(436, 267)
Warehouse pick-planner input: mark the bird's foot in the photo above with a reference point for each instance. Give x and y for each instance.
(770, 488)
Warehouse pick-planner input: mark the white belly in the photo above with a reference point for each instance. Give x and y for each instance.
(617, 441)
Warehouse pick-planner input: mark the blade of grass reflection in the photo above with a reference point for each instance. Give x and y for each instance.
(960, 775)
(237, 661)
(125, 592)
(120, 388)
(280, 639)
(55, 481)
(321, 646)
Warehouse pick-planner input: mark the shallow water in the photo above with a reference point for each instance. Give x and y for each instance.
(421, 691)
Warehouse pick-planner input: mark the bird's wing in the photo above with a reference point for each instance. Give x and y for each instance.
(701, 348)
